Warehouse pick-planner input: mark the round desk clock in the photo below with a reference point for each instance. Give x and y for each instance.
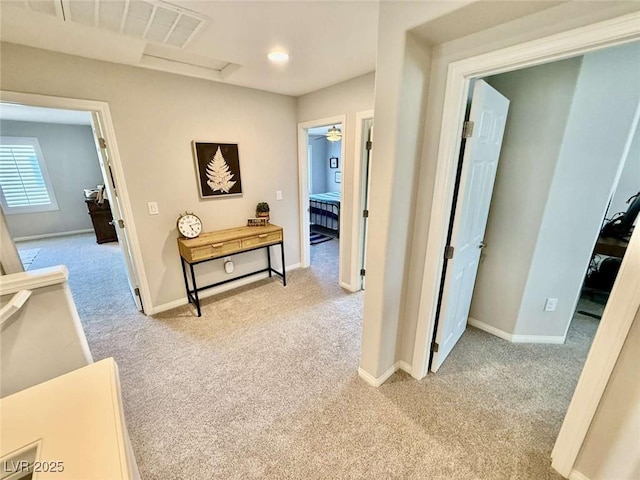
(189, 225)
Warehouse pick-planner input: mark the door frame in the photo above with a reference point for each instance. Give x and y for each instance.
(625, 298)
(357, 223)
(303, 187)
(102, 110)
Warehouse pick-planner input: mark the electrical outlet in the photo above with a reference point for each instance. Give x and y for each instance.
(550, 304)
(153, 208)
(278, 194)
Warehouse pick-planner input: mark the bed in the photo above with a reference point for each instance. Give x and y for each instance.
(324, 210)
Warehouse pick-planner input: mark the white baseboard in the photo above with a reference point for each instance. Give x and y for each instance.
(538, 339)
(490, 329)
(216, 290)
(52, 235)
(348, 287)
(376, 382)
(404, 366)
(576, 475)
(474, 322)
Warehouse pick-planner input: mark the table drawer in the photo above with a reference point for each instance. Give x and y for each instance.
(215, 250)
(262, 239)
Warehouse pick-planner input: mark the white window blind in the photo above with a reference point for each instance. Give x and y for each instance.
(24, 179)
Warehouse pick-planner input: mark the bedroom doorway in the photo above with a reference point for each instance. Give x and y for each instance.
(325, 162)
(74, 156)
(325, 183)
(321, 167)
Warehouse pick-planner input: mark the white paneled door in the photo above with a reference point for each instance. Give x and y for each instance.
(480, 161)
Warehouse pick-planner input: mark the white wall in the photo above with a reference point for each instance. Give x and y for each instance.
(346, 98)
(72, 162)
(334, 149)
(156, 117)
(599, 126)
(319, 161)
(540, 101)
(629, 183)
(610, 449)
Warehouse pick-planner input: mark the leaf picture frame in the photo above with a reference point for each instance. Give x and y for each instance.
(218, 169)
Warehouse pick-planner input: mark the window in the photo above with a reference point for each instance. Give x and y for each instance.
(25, 186)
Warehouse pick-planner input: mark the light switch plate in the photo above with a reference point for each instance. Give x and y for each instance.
(153, 208)
(278, 194)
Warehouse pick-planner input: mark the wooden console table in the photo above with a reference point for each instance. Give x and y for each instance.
(226, 243)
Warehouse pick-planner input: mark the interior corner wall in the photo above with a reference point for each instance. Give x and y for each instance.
(156, 117)
(629, 183)
(610, 449)
(599, 129)
(346, 98)
(540, 102)
(71, 159)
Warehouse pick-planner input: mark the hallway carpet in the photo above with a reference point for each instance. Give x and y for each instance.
(265, 386)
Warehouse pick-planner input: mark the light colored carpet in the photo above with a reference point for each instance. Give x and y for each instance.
(97, 273)
(265, 385)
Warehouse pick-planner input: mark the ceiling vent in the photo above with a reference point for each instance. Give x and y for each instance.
(152, 20)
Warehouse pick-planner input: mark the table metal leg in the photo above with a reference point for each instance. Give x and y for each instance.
(186, 281)
(195, 290)
(284, 272)
(269, 260)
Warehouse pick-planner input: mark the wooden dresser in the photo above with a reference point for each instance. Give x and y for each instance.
(226, 243)
(101, 219)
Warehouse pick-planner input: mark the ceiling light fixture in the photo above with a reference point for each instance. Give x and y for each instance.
(278, 56)
(334, 134)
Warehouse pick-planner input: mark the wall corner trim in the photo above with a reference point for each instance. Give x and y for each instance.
(551, 339)
(576, 475)
(376, 382)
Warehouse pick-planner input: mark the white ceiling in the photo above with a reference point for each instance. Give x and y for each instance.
(328, 41)
(23, 113)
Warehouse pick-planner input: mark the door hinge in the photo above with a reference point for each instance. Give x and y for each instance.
(102, 142)
(369, 145)
(136, 291)
(362, 272)
(448, 252)
(467, 129)
(434, 346)
(365, 213)
(121, 223)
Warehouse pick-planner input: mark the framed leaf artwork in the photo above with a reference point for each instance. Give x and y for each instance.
(218, 166)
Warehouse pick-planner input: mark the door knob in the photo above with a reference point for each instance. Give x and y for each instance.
(482, 245)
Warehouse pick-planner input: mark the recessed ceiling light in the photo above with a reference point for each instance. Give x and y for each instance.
(278, 56)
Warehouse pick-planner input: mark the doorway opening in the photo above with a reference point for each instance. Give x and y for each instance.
(523, 230)
(320, 169)
(572, 204)
(325, 185)
(60, 204)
